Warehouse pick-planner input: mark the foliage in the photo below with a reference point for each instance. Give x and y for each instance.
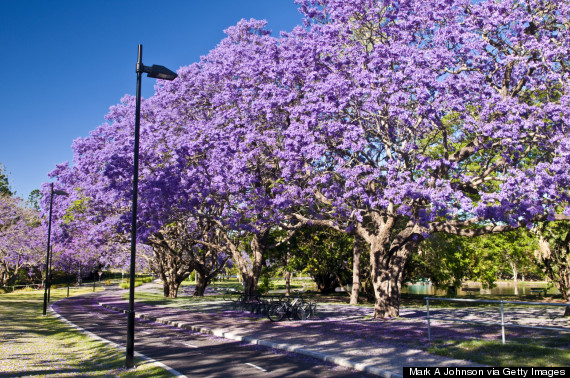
(34, 199)
(324, 254)
(265, 284)
(391, 120)
(22, 239)
(138, 282)
(553, 255)
(5, 189)
(447, 260)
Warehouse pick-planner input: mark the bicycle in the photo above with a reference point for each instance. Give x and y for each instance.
(298, 309)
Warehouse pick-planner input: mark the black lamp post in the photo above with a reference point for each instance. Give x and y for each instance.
(48, 256)
(158, 72)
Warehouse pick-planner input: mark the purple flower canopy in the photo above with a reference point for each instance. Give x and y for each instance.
(22, 238)
(444, 114)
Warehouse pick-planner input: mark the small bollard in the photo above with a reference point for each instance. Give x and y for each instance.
(427, 315)
(67, 290)
(93, 285)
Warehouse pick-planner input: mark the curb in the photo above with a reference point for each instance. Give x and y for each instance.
(345, 362)
(172, 371)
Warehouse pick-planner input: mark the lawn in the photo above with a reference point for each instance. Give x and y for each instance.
(530, 352)
(32, 344)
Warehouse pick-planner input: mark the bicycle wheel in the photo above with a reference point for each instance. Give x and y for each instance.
(303, 311)
(276, 312)
(292, 312)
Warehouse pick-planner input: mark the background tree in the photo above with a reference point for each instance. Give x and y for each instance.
(34, 199)
(553, 256)
(324, 254)
(5, 188)
(22, 239)
(448, 260)
(510, 252)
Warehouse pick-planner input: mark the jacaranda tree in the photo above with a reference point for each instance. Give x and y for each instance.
(22, 239)
(391, 120)
(427, 117)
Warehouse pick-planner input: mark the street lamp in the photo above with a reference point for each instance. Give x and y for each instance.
(158, 72)
(48, 256)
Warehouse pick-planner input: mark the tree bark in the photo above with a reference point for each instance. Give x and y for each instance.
(172, 288)
(387, 265)
(287, 272)
(202, 282)
(515, 276)
(326, 283)
(251, 276)
(356, 253)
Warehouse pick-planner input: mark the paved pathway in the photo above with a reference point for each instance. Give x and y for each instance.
(376, 347)
(190, 353)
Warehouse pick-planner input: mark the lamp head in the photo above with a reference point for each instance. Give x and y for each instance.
(160, 72)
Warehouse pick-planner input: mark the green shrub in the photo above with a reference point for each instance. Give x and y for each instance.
(264, 284)
(27, 288)
(138, 282)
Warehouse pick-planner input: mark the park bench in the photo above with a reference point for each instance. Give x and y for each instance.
(538, 290)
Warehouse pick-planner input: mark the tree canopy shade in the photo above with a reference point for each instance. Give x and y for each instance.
(391, 120)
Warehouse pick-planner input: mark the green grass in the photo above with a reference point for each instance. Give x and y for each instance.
(419, 300)
(32, 344)
(138, 282)
(523, 352)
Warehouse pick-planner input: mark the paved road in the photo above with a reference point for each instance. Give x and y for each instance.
(191, 353)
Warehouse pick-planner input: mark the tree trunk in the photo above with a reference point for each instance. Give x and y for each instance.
(287, 273)
(386, 268)
(170, 288)
(356, 253)
(515, 277)
(202, 283)
(326, 282)
(251, 275)
(250, 282)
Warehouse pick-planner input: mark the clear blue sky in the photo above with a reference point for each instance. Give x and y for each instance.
(65, 62)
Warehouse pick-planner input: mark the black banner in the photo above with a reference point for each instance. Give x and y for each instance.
(513, 372)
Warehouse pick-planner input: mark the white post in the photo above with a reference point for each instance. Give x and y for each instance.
(502, 323)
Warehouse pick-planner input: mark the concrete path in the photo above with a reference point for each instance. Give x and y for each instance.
(186, 353)
(342, 335)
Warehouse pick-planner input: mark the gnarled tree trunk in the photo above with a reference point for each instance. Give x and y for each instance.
(250, 269)
(202, 281)
(389, 252)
